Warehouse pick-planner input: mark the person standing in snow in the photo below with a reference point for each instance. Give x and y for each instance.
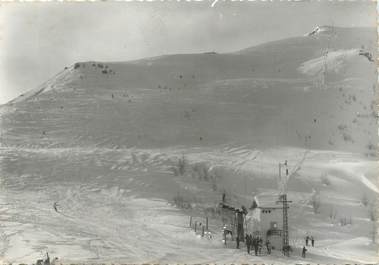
(47, 260)
(312, 241)
(255, 245)
(260, 244)
(268, 246)
(306, 240)
(247, 240)
(303, 252)
(251, 241)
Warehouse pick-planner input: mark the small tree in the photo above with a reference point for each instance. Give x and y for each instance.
(181, 165)
(333, 214)
(205, 173)
(181, 202)
(364, 200)
(214, 185)
(316, 202)
(373, 214)
(343, 221)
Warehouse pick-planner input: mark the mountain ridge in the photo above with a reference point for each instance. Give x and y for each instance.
(242, 52)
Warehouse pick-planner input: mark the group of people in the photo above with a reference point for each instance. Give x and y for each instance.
(307, 239)
(256, 243)
(46, 261)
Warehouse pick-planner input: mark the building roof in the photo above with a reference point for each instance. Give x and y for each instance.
(266, 201)
(225, 206)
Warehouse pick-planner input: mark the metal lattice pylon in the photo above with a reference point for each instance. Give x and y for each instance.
(282, 185)
(285, 225)
(283, 200)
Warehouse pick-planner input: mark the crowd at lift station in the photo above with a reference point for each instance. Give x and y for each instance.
(256, 243)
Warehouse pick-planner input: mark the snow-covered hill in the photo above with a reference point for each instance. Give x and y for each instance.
(272, 94)
(107, 139)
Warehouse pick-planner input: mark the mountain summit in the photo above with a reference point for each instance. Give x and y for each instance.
(321, 30)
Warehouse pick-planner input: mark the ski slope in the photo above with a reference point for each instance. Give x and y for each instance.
(118, 211)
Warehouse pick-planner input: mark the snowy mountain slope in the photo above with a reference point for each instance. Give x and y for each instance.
(206, 99)
(331, 62)
(336, 64)
(106, 139)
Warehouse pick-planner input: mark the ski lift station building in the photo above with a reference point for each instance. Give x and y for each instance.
(265, 219)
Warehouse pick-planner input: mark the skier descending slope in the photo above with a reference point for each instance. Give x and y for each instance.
(55, 205)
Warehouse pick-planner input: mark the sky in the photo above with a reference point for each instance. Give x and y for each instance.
(37, 40)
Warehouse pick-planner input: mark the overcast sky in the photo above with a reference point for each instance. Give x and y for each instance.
(38, 40)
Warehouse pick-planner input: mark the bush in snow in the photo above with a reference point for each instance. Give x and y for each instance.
(345, 221)
(347, 137)
(181, 202)
(213, 211)
(372, 150)
(325, 179)
(214, 186)
(179, 168)
(364, 200)
(182, 165)
(342, 127)
(201, 171)
(373, 213)
(332, 213)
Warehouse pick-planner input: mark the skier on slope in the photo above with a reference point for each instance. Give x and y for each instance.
(55, 205)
